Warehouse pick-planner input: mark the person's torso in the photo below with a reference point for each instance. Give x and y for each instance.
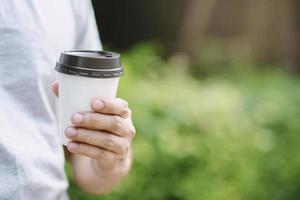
(33, 34)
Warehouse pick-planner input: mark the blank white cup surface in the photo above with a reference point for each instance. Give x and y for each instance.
(76, 94)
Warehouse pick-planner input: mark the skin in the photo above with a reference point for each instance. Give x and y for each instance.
(100, 147)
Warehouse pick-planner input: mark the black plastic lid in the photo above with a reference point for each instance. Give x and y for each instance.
(93, 64)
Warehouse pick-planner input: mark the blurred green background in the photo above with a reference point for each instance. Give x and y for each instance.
(215, 92)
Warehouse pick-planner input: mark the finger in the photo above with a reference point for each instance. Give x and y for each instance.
(111, 123)
(55, 87)
(106, 157)
(107, 141)
(113, 106)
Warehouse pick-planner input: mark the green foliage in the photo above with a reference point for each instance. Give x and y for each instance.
(220, 138)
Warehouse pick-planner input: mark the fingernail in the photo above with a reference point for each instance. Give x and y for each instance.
(73, 145)
(77, 118)
(97, 104)
(71, 132)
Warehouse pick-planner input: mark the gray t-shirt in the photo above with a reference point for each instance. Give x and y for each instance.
(32, 35)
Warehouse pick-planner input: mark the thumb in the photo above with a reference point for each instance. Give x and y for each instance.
(55, 88)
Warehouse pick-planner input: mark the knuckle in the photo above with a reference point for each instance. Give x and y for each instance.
(117, 123)
(92, 119)
(100, 155)
(84, 135)
(114, 143)
(104, 155)
(125, 111)
(124, 103)
(125, 148)
(120, 158)
(132, 131)
(129, 112)
(80, 150)
(110, 141)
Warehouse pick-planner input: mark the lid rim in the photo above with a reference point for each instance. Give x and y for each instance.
(88, 73)
(90, 69)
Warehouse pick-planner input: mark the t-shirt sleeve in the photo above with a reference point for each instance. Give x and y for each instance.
(87, 35)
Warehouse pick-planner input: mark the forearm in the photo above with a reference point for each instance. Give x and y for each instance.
(92, 179)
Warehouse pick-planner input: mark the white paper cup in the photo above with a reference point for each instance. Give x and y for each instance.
(84, 75)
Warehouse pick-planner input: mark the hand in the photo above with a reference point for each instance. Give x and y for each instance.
(104, 135)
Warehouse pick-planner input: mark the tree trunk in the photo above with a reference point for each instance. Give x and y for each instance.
(195, 23)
